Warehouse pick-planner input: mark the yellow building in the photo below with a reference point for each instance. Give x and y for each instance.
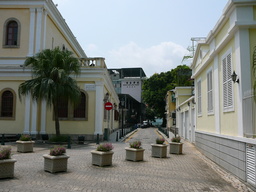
(225, 107)
(180, 109)
(28, 27)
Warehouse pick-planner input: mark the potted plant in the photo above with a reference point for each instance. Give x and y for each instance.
(135, 152)
(159, 149)
(57, 160)
(25, 144)
(176, 145)
(102, 156)
(6, 163)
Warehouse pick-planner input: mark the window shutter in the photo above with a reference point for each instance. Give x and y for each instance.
(227, 82)
(209, 92)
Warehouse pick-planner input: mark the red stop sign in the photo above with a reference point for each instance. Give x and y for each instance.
(108, 106)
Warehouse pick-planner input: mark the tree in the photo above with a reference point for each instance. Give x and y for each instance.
(51, 70)
(156, 87)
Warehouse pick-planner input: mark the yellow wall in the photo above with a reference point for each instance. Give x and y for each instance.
(17, 124)
(228, 119)
(205, 122)
(54, 37)
(223, 32)
(23, 15)
(78, 127)
(228, 122)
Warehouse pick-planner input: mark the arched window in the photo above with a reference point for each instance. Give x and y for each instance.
(11, 33)
(67, 111)
(80, 110)
(7, 104)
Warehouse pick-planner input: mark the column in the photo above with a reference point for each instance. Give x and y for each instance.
(243, 69)
(44, 30)
(99, 108)
(34, 118)
(43, 117)
(31, 32)
(216, 94)
(27, 115)
(38, 29)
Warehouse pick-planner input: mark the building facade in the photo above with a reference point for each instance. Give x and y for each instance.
(28, 27)
(180, 109)
(222, 69)
(128, 84)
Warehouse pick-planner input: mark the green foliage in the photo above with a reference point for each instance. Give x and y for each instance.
(105, 147)
(254, 71)
(59, 138)
(176, 139)
(25, 138)
(51, 70)
(160, 140)
(150, 114)
(156, 87)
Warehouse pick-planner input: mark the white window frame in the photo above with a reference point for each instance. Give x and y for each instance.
(199, 97)
(210, 95)
(227, 83)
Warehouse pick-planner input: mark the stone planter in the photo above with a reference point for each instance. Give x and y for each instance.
(25, 146)
(55, 164)
(7, 168)
(176, 148)
(133, 154)
(159, 150)
(102, 158)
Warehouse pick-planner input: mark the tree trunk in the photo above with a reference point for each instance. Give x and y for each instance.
(56, 118)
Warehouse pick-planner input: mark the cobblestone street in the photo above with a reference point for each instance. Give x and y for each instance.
(177, 173)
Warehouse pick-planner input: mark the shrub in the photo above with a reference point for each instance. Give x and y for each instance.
(135, 144)
(59, 139)
(57, 150)
(176, 139)
(5, 153)
(160, 140)
(105, 147)
(25, 138)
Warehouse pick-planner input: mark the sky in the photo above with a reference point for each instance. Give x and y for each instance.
(151, 34)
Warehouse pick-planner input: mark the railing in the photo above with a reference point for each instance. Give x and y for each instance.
(163, 130)
(174, 130)
(8, 138)
(97, 62)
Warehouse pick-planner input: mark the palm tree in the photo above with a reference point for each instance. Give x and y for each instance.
(51, 70)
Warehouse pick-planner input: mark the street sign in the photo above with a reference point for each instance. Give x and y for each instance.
(108, 106)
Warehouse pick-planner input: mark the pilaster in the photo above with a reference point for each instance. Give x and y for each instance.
(99, 108)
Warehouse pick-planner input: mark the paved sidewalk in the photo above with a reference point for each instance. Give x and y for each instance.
(177, 173)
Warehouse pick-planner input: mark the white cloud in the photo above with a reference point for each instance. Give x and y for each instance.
(155, 59)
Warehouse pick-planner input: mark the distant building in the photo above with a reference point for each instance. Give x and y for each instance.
(128, 85)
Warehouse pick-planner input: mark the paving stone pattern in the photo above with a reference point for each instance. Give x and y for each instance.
(176, 173)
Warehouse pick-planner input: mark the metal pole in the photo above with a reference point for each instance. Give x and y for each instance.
(122, 122)
(2, 142)
(117, 136)
(98, 139)
(69, 143)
